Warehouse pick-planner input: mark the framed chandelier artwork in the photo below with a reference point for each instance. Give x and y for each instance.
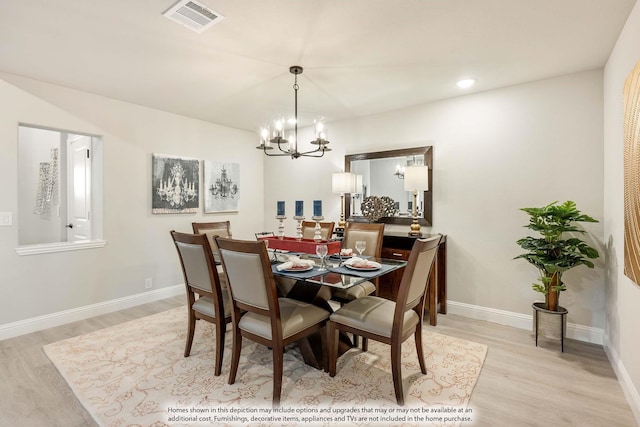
(631, 171)
(221, 187)
(175, 184)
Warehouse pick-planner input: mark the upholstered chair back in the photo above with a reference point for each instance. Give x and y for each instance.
(413, 285)
(309, 230)
(195, 267)
(211, 230)
(246, 279)
(370, 233)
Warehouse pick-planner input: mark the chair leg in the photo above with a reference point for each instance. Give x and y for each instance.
(396, 370)
(277, 374)
(221, 329)
(325, 347)
(365, 344)
(332, 341)
(235, 354)
(190, 331)
(419, 348)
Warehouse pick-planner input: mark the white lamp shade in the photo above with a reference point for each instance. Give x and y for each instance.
(416, 178)
(341, 182)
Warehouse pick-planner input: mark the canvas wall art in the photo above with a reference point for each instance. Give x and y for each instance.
(631, 174)
(175, 184)
(221, 187)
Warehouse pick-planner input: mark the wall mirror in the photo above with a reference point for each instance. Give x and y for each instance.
(380, 174)
(59, 189)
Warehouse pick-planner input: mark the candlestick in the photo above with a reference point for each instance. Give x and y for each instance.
(317, 235)
(299, 208)
(317, 208)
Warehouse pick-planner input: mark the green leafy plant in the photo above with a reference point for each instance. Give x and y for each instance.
(551, 254)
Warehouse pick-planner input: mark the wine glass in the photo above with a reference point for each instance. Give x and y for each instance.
(361, 245)
(321, 251)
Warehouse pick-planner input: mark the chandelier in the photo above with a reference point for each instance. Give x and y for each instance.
(223, 187)
(274, 136)
(177, 190)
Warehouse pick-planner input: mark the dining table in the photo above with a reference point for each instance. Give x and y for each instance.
(307, 285)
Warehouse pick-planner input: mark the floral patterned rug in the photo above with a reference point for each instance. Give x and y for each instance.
(134, 374)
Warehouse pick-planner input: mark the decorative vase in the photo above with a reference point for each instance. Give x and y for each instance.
(549, 324)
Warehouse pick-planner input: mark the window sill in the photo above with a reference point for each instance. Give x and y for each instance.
(59, 247)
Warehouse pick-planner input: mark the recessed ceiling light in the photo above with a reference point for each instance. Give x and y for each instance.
(466, 83)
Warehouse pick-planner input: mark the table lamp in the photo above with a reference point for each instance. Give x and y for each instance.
(416, 178)
(341, 183)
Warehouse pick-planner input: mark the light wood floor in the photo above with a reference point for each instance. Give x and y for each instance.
(520, 385)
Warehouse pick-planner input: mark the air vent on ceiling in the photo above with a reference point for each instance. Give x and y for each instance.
(193, 15)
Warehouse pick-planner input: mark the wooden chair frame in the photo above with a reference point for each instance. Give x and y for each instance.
(216, 294)
(401, 306)
(239, 309)
(326, 229)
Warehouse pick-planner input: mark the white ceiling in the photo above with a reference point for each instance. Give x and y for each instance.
(359, 56)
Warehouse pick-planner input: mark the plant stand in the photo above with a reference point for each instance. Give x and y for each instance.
(549, 323)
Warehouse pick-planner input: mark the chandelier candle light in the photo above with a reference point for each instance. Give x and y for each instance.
(280, 216)
(416, 178)
(299, 217)
(317, 217)
(270, 136)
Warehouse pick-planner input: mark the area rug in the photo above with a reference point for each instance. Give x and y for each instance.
(134, 374)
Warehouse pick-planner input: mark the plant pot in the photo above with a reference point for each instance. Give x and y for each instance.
(549, 324)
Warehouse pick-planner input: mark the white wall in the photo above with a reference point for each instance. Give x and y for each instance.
(494, 153)
(138, 242)
(623, 296)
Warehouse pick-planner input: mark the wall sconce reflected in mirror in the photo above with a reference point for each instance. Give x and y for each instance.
(399, 173)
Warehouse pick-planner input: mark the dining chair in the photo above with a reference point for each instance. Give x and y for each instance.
(372, 234)
(386, 321)
(258, 314)
(211, 230)
(201, 278)
(309, 230)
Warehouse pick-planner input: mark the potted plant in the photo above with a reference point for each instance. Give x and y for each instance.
(552, 254)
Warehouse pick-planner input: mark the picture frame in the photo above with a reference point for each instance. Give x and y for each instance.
(631, 171)
(221, 187)
(175, 184)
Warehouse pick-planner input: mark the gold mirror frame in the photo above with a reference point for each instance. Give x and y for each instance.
(427, 152)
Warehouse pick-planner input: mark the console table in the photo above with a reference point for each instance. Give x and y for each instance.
(397, 245)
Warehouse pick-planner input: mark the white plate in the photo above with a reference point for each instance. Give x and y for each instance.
(353, 267)
(299, 269)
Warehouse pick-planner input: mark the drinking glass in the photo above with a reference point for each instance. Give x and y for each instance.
(321, 251)
(361, 245)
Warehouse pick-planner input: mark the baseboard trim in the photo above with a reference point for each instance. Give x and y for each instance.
(629, 390)
(522, 321)
(27, 326)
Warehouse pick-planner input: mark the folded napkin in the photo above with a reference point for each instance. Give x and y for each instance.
(362, 263)
(295, 262)
(346, 252)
